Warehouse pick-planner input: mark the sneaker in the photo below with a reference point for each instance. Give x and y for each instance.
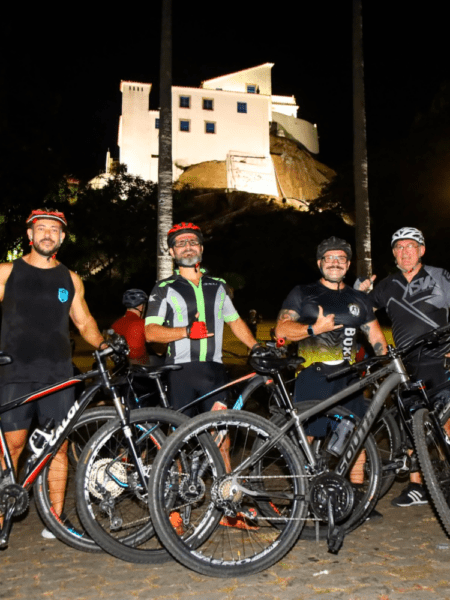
(413, 494)
(374, 516)
(48, 535)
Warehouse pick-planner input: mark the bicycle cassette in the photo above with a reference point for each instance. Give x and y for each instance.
(107, 476)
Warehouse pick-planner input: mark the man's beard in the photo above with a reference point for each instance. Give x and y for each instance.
(334, 278)
(46, 253)
(189, 261)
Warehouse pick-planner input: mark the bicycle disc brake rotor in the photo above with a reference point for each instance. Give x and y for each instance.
(14, 490)
(327, 486)
(107, 475)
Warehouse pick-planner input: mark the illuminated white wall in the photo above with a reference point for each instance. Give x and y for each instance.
(299, 130)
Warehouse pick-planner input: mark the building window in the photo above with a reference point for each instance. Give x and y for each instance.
(185, 125)
(242, 107)
(210, 127)
(156, 123)
(252, 88)
(185, 102)
(208, 104)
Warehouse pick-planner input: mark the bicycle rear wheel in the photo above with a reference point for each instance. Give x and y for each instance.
(111, 501)
(229, 525)
(431, 450)
(68, 527)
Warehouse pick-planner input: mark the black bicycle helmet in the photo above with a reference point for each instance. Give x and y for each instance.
(133, 298)
(181, 228)
(333, 243)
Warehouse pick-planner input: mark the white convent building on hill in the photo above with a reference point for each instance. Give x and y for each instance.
(228, 118)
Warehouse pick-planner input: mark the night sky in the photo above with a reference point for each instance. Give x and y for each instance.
(61, 74)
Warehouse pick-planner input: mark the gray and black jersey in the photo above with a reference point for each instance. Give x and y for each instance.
(175, 301)
(415, 307)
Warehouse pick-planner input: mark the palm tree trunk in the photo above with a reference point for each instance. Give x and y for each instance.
(363, 242)
(165, 199)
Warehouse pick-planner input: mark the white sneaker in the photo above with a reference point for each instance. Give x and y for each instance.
(48, 535)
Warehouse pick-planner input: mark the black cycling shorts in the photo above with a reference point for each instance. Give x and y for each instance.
(312, 384)
(193, 381)
(55, 406)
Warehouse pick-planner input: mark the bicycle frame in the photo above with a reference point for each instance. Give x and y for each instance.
(51, 446)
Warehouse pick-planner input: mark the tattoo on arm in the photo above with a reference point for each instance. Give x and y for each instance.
(288, 315)
(365, 329)
(378, 349)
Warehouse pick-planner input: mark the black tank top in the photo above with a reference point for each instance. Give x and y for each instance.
(35, 324)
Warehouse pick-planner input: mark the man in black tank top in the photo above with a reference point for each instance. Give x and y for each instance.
(38, 296)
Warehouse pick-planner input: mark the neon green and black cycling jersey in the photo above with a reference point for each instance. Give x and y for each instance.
(175, 301)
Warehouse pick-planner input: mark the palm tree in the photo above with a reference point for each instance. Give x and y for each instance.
(363, 242)
(164, 261)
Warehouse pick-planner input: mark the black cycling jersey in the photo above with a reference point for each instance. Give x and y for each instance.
(351, 308)
(416, 307)
(35, 324)
(175, 301)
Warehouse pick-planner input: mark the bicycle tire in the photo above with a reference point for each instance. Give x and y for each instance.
(68, 527)
(389, 441)
(206, 543)
(367, 493)
(434, 464)
(113, 507)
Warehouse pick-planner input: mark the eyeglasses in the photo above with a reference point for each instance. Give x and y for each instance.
(409, 246)
(184, 243)
(340, 259)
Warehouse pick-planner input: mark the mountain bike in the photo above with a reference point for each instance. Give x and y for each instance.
(116, 515)
(274, 485)
(77, 428)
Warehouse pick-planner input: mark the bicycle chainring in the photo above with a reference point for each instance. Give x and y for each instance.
(14, 490)
(331, 486)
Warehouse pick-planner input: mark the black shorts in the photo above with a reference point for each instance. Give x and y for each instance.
(312, 384)
(193, 381)
(55, 406)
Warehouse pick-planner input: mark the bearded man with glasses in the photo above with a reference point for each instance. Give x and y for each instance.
(324, 318)
(188, 311)
(417, 300)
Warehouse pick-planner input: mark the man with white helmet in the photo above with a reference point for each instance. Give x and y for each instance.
(417, 300)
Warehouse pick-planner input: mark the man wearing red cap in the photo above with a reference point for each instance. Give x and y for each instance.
(38, 296)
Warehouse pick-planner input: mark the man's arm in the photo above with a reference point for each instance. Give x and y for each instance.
(80, 315)
(242, 332)
(163, 334)
(288, 326)
(5, 272)
(375, 336)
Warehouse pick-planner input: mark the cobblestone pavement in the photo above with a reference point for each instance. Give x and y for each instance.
(403, 556)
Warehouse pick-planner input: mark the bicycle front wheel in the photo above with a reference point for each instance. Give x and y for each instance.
(111, 500)
(232, 519)
(67, 526)
(431, 450)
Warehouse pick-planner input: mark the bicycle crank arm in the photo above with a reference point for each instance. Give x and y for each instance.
(336, 534)
(7, 524)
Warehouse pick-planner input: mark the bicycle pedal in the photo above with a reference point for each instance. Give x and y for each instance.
(335, 540)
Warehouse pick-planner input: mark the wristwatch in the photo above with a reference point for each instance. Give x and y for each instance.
(310, 330)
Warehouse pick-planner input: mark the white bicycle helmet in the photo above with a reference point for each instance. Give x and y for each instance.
(408, 233)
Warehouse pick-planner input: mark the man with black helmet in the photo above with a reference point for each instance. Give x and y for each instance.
(324, 317)
(188, 311)
(417, 300)
(131, 325)
(38, 296)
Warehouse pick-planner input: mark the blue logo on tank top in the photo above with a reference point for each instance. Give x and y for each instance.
(63, 295)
